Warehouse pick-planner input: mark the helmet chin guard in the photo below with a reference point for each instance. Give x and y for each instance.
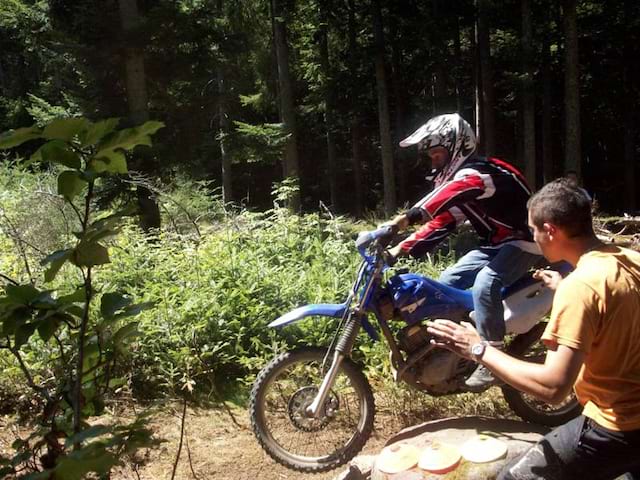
(450, 131)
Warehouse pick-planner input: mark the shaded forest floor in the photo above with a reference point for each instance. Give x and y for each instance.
(214, 447)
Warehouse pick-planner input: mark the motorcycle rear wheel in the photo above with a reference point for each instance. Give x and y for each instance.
(530, 348)
(280, 395)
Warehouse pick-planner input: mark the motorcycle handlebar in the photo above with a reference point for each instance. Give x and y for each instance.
(382, 235)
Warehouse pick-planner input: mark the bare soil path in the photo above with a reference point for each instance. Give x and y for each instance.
(215, 448)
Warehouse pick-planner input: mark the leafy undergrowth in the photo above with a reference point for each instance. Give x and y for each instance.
(216, 278)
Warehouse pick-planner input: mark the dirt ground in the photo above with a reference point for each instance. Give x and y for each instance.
(215, 448)
(219, 450)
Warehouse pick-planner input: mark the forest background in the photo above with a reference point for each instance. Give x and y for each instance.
(278, 140)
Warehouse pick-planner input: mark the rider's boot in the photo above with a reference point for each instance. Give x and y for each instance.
(482, 377)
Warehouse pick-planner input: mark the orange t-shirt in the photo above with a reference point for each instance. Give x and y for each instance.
(596, 309)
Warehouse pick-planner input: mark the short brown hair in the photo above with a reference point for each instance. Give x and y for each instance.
(563, 205)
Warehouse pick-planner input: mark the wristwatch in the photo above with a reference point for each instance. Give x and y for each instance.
(477, 349)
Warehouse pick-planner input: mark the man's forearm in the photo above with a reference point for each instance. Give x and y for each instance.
(401, 221)
(532, 378)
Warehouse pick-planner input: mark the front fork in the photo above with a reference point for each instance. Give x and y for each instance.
(342, 350)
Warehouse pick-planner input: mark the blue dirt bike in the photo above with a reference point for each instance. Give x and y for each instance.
(312, 408)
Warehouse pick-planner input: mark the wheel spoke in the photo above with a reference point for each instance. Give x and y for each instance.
(292, 437)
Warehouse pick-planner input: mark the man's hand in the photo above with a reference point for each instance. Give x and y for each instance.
(551, 278)
(401, 221)
(459, 338)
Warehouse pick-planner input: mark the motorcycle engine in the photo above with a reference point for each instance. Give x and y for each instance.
(440, 370)
(413, 337)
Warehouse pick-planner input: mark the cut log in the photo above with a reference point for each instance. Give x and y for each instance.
(518, 437)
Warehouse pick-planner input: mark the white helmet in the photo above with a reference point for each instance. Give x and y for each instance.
(450, 131)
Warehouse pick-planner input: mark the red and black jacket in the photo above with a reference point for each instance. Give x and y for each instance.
(488, 192)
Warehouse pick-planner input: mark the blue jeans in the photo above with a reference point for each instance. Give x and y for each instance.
(488, 270)
(579, 449)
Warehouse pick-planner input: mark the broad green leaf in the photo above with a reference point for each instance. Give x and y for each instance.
(56, 259)
(91, 357)
(117, 382)
(23, 332)
(57, 151)
(126, 332)
(129, 138)
(135, 309)
(113, 220)
(88, 410)
(22, 294)
(36, 157)
(19, 444)
(96, 236)
(92, 458)
(47, 327)
(98, 130)
(98, 405)
(87, 433)
(78, 296)
(44, 301)
(75, 310)
(109, 161)
(150, 127)
(89, 175)
(87, 254)
(70, 184)
(112, 303)
(15, 318)
(64, 128)
(13, 138)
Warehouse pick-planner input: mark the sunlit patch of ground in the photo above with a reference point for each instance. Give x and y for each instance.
(215, 448)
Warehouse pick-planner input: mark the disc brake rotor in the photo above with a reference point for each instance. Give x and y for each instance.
(297, 409)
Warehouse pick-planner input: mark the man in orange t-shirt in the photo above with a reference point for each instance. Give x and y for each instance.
(593, 340)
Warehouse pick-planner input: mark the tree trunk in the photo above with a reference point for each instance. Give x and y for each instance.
(227, 177)
(356, 129)
(290, 165)
(548, 173)
(400, 94)
(629, 160)
(358, 161)
(458, 55)
(487, 132)
(528, 96)
(572, 152)
(383, 113)
(329, 115)
(630, 73)
(477, 88)
(440, 68)
(138, 109)
(223, 123)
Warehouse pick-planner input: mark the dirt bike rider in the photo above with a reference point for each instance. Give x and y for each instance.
(492, 195)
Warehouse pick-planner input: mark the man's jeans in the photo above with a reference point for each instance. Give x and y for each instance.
(488, 270)
(580, 449)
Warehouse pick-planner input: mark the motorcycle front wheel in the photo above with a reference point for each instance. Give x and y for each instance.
(530, 348)
(279, 398)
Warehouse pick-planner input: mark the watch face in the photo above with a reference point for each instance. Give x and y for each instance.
(477, 349)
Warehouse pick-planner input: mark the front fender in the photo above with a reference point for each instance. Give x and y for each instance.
(317, 309)
(335, 310)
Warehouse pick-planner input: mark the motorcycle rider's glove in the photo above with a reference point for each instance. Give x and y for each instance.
(416, 215)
